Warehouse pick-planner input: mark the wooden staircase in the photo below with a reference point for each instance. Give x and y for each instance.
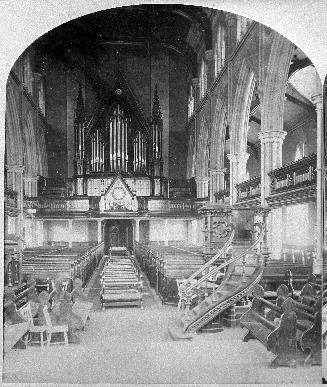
(242, 272)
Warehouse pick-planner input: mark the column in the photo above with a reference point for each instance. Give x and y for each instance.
(99, 231)
(271, 158)
(217, 182)
(137, 230)
(70, 233)
(202, 187)
(237, 172)
(317, 267)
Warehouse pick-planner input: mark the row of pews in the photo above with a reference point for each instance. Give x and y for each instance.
(290, 328)
(164, 266)
(43, 264)
(120, 280)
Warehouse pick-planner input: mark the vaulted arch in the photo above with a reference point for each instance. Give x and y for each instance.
(241, 109)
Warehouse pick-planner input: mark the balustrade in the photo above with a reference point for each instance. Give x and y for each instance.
(222, 197)
(297, 174)
(249, 189)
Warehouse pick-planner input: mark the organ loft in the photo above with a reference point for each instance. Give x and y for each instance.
(163, 182)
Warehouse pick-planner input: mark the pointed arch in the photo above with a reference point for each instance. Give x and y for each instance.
(241, 109)
(218, 135)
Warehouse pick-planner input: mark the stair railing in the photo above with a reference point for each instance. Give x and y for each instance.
(185, 292)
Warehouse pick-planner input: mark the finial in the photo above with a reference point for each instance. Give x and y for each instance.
(156, 113)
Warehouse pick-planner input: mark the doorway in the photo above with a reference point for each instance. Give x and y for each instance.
(118, 233)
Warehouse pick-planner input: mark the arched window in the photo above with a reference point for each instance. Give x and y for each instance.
(203, 78)
(299, 151)
(220, 49)
(242, 26)
(190, 101)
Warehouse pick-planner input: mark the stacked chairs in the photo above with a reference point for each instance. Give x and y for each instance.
(290, 329)
(120, 284)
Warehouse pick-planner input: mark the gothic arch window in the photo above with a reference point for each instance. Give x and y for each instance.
(220, 49)
(190, 101)
(299, 151)
(242, 25)
(203, 78)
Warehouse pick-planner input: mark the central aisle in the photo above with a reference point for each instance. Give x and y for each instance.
(131, 345)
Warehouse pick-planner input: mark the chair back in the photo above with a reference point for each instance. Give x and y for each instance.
(47, 316)
(26, 312)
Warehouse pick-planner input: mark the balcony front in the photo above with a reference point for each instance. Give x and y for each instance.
(294, 182)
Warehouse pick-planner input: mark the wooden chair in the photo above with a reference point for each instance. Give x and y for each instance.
(33, 330)
(50, 329)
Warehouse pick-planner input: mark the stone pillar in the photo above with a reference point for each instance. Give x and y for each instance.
(317, 267)
(99, 230)
(217, 182)
(202, 187)
(271, 158)
(70, 233)
(237, 172)
(137, 230)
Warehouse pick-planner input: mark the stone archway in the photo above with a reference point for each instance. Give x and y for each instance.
(239, 124)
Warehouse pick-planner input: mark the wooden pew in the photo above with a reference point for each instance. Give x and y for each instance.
(294, 336)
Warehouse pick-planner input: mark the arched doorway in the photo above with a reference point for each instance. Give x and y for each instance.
(118, 232)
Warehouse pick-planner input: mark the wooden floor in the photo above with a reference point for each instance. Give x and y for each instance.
(130, 345)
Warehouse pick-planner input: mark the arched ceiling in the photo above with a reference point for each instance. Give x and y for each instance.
(145, 26)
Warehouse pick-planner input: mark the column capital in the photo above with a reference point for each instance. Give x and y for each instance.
(317, 99)
(217, 171)
(14, 168)
(201, 179)
(209, 55)
(195, 82)
(272, 136)
(238, 157)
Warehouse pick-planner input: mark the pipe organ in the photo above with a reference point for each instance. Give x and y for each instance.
(117, 128)
(140, 153)
(116, 141)
(97, 152)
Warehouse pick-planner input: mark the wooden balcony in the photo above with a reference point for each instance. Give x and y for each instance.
(166, 206)
(222, 197)
(58, 205)
(294, 182)
(248, 192)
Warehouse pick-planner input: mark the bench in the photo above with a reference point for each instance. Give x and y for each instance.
(295, 334)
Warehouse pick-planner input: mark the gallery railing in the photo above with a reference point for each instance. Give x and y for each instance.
(249, 189)
(300, 173)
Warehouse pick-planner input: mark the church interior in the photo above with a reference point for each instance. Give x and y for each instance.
(163, 202)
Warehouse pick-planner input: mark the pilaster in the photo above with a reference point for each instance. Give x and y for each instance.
(217, 181)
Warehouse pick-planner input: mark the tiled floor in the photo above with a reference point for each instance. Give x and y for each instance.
(130, 345)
